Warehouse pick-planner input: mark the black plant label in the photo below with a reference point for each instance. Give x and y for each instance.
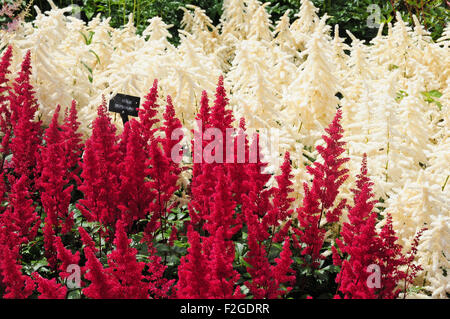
(125, 104)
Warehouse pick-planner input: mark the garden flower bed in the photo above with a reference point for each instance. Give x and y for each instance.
(267, 160)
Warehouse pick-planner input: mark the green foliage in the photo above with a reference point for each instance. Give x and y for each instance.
(432, 96)
(351, 15)
(433, 14)
(142, 11)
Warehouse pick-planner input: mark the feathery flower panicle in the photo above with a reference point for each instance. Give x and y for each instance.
(198, 143)
(17, 285)
(319, 199)
(193, 271)
(87, 239)
(281, 210)
(163, 170)
(27, 132)
(363, 247)
(359, 241)
(102, 284)
(20, 217)
(100, 172)
(170, 126)
(18, 225)
(135, 193)
(267, 279)
(221, 117)
(124, 267)
(53, 184)
(282, 271)
(5, 113)
(73, 143)
(148, 112)
(49, 288)
(66, 257)
(222, 277)
(159, 287)
(202, 186)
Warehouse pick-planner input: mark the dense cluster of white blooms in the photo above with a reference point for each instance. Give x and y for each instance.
(284, 76)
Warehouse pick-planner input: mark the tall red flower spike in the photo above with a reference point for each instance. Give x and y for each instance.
(363, 249)
(281, 210)
(18, 225)
(17, 285)
(124, 267)
(266, 279)
(5, 113)
(53, 184)
(27, 132)
(101, 173)
(219, 118)
(320, 197)
(66, 257)
(148, 112)
(193, 271)
(49, 288)
(102, 284)
(73, 144)
(135, 192)
(164, 170)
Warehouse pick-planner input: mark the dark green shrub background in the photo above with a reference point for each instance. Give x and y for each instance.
(349, 14)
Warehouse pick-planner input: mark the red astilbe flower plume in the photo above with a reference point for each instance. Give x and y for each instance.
(148, 112)
(267, 279)
(100, 172)
(262, 284)
(161, 183)
(135, 192)
(103, 285)
(49, 288)
(319, 199)
(359, 241)
(159, 286)
(172, 135)
(18, 225)
(17, 285)
(222, 207)
(124, 137)
(258, 198)
(222, 277)
(219, 118)
(53, 184)
(20, 217)
(362, 246)
(281, 210)
(164, 170)
(218, 248)
(124, 278)
(87, 239)
(241, 158)
(73, 143)
(27, 132)
(66, 257)
(5, 113)
(125, 268)
(193, 271)
(197, 206)
(393, 262)
(198, 144)
(282, 271)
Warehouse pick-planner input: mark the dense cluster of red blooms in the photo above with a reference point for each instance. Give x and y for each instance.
(362, 246)
(108, 206)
